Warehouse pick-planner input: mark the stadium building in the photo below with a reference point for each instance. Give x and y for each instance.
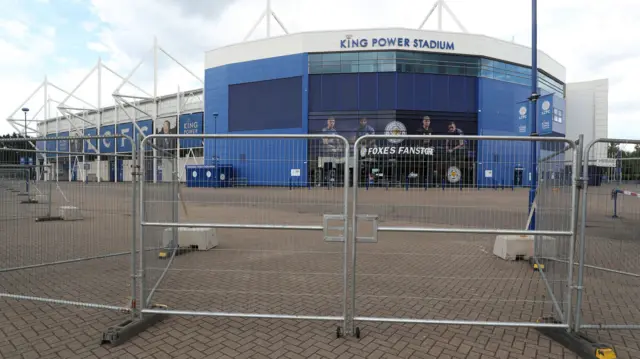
(393, 77)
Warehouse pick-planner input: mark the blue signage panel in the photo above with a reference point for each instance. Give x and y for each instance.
(124, 144)
(522, 118)
(396, 42)
(545, 115)
(107, 145)
(91, 146)
(40, 145)
(51, 146)
(147, 129)
(63, 146)
(190, 125)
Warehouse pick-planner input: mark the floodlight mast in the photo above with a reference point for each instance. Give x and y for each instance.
(440, 5)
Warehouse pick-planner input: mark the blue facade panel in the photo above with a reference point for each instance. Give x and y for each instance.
(498, 115)
(392, 91)
(253, 160)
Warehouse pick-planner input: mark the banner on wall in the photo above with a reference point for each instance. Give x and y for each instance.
(107, 145)
(545, 115)
(522, 118)
(76, 145)
(147, 129)
(91, 146)
(51, 146)
(123, 144)
(63, 146)
(191, 124)
(169, 126)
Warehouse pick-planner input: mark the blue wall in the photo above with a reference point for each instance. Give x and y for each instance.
(496, 116)
(254, 159)
(392, 91)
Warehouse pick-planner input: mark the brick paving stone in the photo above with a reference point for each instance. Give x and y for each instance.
(408, 275)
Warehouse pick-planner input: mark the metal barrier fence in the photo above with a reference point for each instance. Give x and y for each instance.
(413, 244)
(249, 234)
(69, 241)
(608, 283)
(422, 249)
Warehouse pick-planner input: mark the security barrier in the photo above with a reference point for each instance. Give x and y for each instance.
(250, 235)
(459, 230)
(609, 272)
(65, 241)
(422, 250)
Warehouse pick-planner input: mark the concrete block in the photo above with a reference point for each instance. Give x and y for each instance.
(510, 247)
(202, 238)
(70, 213)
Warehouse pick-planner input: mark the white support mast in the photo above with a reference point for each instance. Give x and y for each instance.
(268, 13)
(442, 5)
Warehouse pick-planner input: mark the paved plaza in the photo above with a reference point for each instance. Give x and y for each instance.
(296, 272)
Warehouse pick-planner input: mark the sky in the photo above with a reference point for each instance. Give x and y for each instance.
(63, 40)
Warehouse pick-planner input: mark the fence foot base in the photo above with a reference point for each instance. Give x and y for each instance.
(128, 329)
(48, 219)
(579, 344)
(29, 201)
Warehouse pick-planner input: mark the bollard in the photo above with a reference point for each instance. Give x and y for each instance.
(503, 185)
(614, 195)
(443, 184)
(290, 184)
(406, 183)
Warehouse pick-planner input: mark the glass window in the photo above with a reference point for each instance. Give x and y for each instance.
(368, 55)
(386, 55)
(315, 57)
(387, 67)
(367, 68)
(419, 62)
(330, 57)
(349, 56)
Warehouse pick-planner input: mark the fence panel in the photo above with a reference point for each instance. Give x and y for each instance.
(260, 228)
(610, 240)
(65, 239)
(428, 214)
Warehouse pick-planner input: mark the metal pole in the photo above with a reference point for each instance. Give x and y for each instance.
(533, 109)
(575, 203)
(268, 14)
(134, 203)
(25, 110)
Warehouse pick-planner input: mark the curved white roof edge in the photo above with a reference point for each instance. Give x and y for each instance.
(332, 41)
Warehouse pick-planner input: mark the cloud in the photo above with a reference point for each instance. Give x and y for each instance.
(89, 26)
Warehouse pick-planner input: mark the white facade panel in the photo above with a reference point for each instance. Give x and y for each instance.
(587, 113)
(378, 39)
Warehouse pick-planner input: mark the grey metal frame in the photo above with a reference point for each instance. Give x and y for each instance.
(132, 309)
(320, 227)
(355, 239)
(582, 249)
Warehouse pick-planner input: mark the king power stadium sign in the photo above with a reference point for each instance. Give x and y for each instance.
(395, 42)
